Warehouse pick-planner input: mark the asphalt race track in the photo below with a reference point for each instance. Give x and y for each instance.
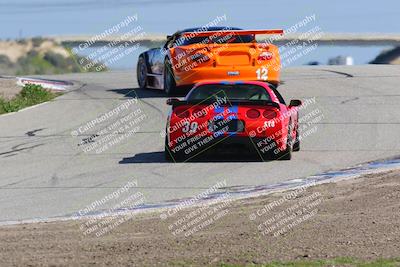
(44, 173)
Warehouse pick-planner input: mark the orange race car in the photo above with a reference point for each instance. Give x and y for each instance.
(216, 53)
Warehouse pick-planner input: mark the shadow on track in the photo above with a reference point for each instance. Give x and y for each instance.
(147, 93)
(158, 157)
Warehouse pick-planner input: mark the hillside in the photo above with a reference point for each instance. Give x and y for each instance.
(36, 56)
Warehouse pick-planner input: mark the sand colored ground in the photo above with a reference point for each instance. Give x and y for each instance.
(357, 218)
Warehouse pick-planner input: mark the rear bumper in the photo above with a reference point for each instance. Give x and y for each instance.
(225, 73)
(264, 147)
(255, 137)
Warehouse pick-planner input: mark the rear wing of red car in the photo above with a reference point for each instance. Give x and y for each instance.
(232, 32)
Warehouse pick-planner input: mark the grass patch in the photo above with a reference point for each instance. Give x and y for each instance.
(329, 262)
(30, 95)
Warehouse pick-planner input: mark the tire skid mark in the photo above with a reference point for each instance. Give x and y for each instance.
(347, 75)
(33, 132)
(19, 148)
(350, 100)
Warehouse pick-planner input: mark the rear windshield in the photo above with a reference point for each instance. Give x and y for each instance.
(231, 91)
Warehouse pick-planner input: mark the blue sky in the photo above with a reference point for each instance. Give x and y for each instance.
(52, 17)
(29, 18)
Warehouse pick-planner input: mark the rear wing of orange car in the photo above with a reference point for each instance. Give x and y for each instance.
(231, 32)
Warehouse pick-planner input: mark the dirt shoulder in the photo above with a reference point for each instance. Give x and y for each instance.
(8, 88)
(357, 218)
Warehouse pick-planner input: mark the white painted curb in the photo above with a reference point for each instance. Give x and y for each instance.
(48, 84)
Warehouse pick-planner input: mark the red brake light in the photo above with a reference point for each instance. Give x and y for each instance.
(269, 114)
(253, 113)
(265, 56)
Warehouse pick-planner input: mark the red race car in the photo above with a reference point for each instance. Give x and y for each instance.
(233, 116)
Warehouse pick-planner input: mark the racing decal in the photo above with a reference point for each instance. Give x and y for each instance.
(218, 116)
(262, 73)
(222, 118)
(233, 73)
(189, 127)
(232, 115)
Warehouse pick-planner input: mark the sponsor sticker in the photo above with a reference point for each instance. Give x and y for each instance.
(233, 73)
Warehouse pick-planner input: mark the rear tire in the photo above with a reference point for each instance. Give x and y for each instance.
(170, 156)
(296, 145)
(169, 79)
(167, 153)
(141, 72)
(287, 153)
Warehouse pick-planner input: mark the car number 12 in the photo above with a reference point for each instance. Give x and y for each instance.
(262, 73)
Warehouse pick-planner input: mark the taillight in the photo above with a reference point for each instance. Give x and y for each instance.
(269, 114)
(265, 56)
(253, 113)
(199, 113)
(182, 113)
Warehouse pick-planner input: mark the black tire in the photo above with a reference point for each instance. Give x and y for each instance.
(169, 79)
(296, 145)
(167, 152)
(287, 153)
(171, 156)
(141, 72)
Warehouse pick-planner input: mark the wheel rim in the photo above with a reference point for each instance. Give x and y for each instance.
(142, 74)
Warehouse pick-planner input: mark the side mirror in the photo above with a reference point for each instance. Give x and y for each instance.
(295, 103)
(169, 37)
(172, 101)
